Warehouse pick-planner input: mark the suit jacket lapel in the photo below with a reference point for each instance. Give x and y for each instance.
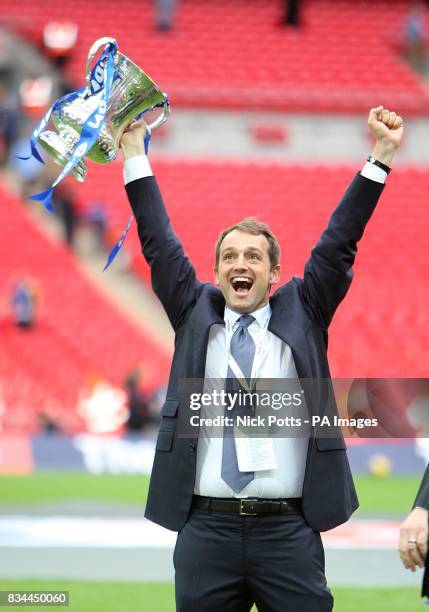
(284, 323)
(208, 311)
(288, 326)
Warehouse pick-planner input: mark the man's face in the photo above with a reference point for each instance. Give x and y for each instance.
(244, 272)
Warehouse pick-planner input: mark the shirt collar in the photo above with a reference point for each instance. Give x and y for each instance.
(231, 317)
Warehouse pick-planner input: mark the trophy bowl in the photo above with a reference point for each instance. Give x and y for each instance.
(132, 93)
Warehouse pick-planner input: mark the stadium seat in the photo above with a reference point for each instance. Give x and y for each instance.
(236, 55)
(77, 334)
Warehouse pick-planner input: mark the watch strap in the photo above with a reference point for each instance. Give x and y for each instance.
(378, 163)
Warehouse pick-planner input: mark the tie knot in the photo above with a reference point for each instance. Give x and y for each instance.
(246, 320)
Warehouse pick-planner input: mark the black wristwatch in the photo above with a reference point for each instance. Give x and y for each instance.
(380, 164)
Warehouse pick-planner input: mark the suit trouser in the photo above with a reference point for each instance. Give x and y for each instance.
(227, 563)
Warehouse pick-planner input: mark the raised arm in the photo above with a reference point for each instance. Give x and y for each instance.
(173, 276)
(328, 273)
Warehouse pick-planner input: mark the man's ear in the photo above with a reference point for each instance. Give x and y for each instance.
(275, 274)
(216, 275)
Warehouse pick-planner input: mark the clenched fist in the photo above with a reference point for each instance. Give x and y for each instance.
(388, 128)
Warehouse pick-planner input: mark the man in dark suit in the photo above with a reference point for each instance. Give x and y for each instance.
(251, 535)
(413, 537)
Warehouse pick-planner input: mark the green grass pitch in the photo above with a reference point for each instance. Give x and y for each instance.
(378, 496)
(391, 496)
(159, 597)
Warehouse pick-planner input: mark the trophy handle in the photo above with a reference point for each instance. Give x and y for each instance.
(162, 118)
(101, 42)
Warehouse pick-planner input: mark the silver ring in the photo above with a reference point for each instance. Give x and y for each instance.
(412, 541)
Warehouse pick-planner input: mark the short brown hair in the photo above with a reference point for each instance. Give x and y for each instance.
(250, 225)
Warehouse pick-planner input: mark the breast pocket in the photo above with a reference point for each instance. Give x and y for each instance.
(327, 444)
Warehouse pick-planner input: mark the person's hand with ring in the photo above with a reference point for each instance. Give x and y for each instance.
(413, 539)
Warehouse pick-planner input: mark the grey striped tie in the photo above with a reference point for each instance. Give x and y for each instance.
(243, 351)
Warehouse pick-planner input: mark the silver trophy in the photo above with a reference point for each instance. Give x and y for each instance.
(132, 93)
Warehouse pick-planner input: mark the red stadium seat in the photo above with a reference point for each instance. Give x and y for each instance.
(392, 268)
(77, 334)
(221, 54)
(227, 55)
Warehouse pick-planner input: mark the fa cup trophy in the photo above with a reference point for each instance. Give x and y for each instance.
(131, 93)
(90, 122)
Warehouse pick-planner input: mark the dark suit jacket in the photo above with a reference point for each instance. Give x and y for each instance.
(302, 310)
(422, 498)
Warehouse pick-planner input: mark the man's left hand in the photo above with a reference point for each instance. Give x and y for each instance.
(413, 539)
(388, 129)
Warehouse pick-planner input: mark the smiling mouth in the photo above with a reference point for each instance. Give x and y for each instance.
(241, 284)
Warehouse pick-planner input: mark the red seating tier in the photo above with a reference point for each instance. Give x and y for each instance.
(380, 329)
(234, 55)
(79, 334)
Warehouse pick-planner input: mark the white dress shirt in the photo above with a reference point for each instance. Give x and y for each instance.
(139, 167)
(277, 362)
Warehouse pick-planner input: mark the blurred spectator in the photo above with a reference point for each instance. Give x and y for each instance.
(65, 206)
(156, 401)
(35, 94)
(59, 39)
(48, 424)
(103, 407)
(64, 86)
(137, 403)
(8, 121)
(165, 14)
(24, 304)
(291, 13)
(414, 36)
(97, 219)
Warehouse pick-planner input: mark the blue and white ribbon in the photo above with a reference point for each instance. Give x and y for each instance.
(118, 245)
(100, 83)
(41, 126)
(147, 140)
(121, 240)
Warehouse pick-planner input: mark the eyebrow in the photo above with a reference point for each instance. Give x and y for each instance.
(247, 250)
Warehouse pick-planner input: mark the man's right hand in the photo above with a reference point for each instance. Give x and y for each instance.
(413, 539)
(132, 140)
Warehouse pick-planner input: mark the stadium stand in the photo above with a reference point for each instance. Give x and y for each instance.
(235, 55)
(226, 55)
(78, 334)
(390, 292)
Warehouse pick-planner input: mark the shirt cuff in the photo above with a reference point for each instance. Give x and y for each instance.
(374, 173)
(136, 168)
